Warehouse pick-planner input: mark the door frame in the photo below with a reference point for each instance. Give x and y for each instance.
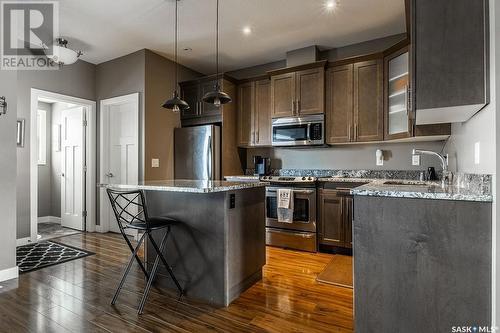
(90, 152)
(103, 226)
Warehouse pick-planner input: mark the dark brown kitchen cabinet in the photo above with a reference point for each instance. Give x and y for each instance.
(262, 119)
(246, 107)
(200, 112)
(339, 104)
(283, 95)
(298, 91)
(335, 226)
(310, 91)
(190, 95)
(207, 109)
(354, 102)
(368, 101)
(254, 117)
(398, 116)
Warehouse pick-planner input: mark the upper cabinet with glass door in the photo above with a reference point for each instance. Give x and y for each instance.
(398, 120)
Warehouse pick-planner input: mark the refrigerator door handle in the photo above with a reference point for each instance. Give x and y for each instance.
(209, 158)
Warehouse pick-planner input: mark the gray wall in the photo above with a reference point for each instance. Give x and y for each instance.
(368, 47)
(123, 76)
(397, 156)
(44, 171)
(76, 80)
(8, 166)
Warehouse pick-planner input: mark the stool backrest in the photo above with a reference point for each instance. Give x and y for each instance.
(129, 207)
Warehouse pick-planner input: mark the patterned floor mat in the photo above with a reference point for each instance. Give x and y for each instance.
(47, 253)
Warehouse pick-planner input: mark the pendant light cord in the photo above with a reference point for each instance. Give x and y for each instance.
(176, 64)
(217, 45)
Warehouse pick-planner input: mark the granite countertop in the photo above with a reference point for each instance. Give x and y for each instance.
(189, 186)
(422, 190)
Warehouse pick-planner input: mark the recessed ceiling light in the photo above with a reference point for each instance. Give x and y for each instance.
(331, 5)
(247, 30)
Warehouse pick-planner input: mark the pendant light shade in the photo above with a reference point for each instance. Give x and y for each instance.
(217, 97)
(176, 104)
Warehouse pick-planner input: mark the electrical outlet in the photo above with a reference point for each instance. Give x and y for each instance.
(477, 153)
(415, 160)
(155, 163)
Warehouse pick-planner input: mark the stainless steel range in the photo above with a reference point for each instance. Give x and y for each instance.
(300, 234)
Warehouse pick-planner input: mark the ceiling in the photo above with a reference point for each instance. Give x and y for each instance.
(106, 29)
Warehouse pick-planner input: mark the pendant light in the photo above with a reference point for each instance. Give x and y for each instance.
(217, 97)
(176, 104)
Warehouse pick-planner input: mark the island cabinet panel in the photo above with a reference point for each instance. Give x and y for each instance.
(246, 107)
(283, 95)
(217, 249)
(262, 117)
(339, 104)
(254, 113)
(368, 101)
(421, 265)
(310, 91)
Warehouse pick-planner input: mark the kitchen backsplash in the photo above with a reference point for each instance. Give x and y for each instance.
(482, 182)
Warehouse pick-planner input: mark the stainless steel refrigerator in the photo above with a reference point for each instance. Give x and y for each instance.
(197, 152)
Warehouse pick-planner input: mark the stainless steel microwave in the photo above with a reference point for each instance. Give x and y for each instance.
(299, 131)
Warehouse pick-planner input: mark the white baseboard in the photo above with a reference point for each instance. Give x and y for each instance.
(47, 219)
(100, 228)
(9, 273)
(23, 241)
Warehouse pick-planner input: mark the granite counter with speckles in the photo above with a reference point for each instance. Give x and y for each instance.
(187, 186)
(422, 190)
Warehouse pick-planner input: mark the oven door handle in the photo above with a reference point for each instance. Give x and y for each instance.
(309, 132)
(294, 191)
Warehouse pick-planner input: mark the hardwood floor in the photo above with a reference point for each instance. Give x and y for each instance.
(75, 297)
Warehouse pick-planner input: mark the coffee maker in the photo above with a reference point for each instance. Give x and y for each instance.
(262, 165)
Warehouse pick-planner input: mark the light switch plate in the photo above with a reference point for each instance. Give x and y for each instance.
(155, 163)
(415, 160)
(477, 153)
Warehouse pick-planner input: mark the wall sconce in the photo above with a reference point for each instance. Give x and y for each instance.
(3, 105)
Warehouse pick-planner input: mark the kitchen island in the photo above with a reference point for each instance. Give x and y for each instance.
(218, 248)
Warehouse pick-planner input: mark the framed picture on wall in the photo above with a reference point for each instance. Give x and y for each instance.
(20, 132)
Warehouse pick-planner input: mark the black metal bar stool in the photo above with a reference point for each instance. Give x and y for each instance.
(131, 213)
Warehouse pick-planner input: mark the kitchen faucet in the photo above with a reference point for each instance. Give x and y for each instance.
(447, 178)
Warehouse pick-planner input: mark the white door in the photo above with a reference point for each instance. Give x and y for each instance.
(73, 161)
(119, 149)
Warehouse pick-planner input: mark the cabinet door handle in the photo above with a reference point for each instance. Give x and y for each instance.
(293, 106)
(355, 131)
(349, 132)
(258, 136)
(298, 106)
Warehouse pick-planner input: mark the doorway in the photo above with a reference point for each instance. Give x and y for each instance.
(62, 173)
(119, 151)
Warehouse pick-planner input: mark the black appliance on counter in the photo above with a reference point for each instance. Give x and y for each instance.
(262, 165)
(300, 234)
